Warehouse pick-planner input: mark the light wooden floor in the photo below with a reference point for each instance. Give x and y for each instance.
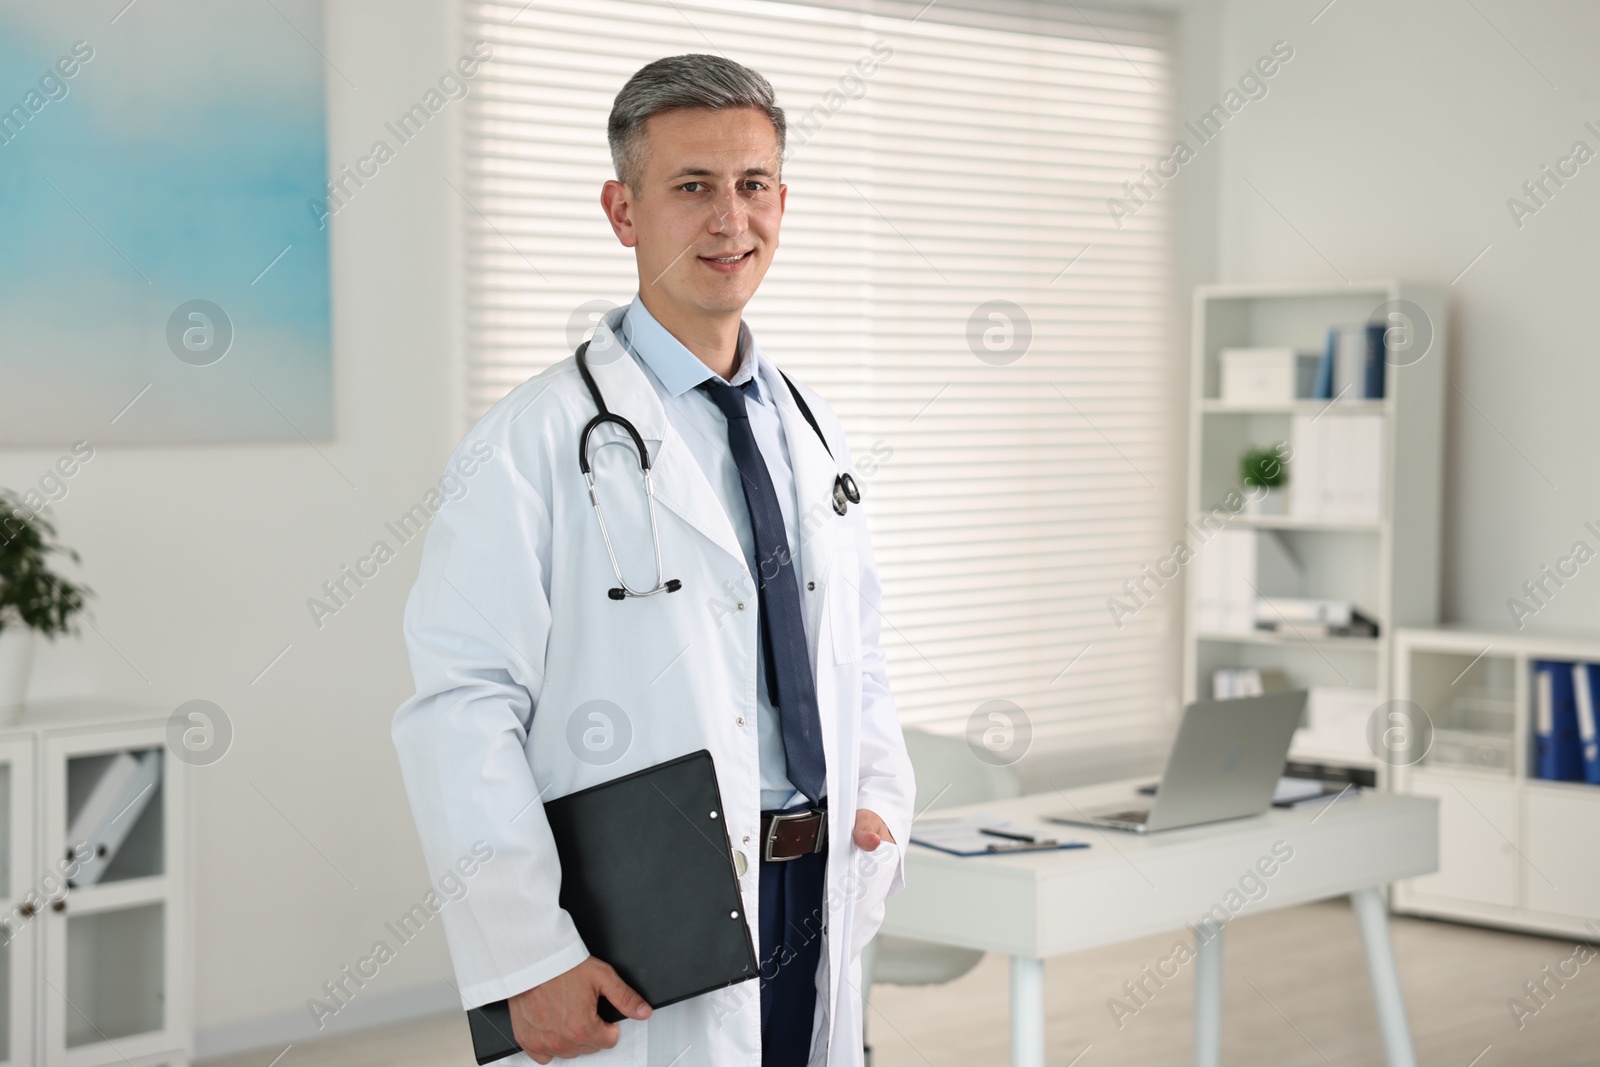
(1296, 994)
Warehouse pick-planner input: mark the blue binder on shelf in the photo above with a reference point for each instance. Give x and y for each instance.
(1560, 753)
(1586, 694)
(1330, 354)
(1377, 360)
(1359, 375)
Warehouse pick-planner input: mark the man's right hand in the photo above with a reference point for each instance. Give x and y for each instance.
(562, 1017)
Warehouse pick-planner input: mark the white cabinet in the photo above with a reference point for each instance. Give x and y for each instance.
(1562, 830)
(1514, 850)
(1477, 827)
(94, 974)
(18, 936)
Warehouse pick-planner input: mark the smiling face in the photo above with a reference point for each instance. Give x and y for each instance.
(704, 218)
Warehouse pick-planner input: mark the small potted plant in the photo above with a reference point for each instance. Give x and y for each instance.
(33, 600)
(1264, 475)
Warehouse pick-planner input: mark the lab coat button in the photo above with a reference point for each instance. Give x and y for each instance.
(811, 585)
(741, 606)
(740, 720)
(741, 862)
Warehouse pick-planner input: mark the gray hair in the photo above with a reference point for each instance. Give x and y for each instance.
(689, 81)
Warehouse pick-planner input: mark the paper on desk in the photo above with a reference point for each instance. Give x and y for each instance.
(1292, 789)
(1298, 792)
(962, 835)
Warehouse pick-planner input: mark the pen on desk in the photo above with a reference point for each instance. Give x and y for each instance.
(1008, 836)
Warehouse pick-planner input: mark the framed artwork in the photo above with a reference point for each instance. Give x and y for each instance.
(164, 266)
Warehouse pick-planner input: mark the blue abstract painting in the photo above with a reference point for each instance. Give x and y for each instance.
(162, 277)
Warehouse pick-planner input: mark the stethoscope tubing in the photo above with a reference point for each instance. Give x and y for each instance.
(671, 585)
(845, 491)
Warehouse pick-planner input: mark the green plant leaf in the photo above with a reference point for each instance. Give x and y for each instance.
(29, 591)
(1263, 468)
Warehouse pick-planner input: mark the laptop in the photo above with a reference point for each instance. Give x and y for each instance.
(1224, 764)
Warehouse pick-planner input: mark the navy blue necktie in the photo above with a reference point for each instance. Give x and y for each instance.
(786, 656)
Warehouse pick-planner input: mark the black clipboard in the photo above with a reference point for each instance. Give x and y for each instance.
(647, 875)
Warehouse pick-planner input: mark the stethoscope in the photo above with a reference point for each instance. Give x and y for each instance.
(845, 491)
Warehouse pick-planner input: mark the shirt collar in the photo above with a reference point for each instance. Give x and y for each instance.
(674, 366)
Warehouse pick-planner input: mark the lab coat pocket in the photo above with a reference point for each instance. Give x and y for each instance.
(844, 598)
(874, 871)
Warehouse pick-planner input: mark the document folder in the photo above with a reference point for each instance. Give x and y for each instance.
(982, 835)
(1586, 687)
(647, 875)
(1557, 744)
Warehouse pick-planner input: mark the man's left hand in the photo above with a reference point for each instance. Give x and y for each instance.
(870, 830)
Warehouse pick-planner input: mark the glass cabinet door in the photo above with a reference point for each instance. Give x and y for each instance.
(116, 967)
(112, 944)
(22, 896)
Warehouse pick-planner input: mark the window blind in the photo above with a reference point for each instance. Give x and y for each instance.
(949, 278)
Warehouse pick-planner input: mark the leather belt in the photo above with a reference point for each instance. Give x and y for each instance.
(788, 836)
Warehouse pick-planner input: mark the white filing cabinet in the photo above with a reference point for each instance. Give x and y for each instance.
(92, 974)
(1514, 850)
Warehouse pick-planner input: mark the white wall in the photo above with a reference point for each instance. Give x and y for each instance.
(203, 559)
(1388, 147)
(1390, 143)
(1191, 199)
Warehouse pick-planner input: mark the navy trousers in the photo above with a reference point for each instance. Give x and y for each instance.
(792, 913)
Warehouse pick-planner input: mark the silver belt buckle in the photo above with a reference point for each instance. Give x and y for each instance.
(772, 834)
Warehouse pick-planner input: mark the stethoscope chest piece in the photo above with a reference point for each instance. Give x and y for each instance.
(845, 492)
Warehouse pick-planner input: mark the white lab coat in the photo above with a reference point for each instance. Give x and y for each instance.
(512, 639)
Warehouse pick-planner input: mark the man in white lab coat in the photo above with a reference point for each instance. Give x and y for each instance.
(537, 677)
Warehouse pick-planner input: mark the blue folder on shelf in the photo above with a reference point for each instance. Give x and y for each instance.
(1377, 360)
(1324, 386)
(1586, 699)
(1365, 379)
(1559, 750)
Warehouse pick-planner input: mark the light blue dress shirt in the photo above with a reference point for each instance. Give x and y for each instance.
(674, 371)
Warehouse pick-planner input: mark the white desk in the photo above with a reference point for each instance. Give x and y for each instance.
(1035, 905)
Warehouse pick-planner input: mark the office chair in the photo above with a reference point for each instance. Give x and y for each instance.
(948, 775)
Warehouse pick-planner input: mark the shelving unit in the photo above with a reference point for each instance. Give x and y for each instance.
(1514, 850)
(1388, 566)
(92, 975)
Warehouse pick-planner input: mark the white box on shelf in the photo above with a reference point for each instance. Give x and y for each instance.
(1337, 719)
(1265, 375)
